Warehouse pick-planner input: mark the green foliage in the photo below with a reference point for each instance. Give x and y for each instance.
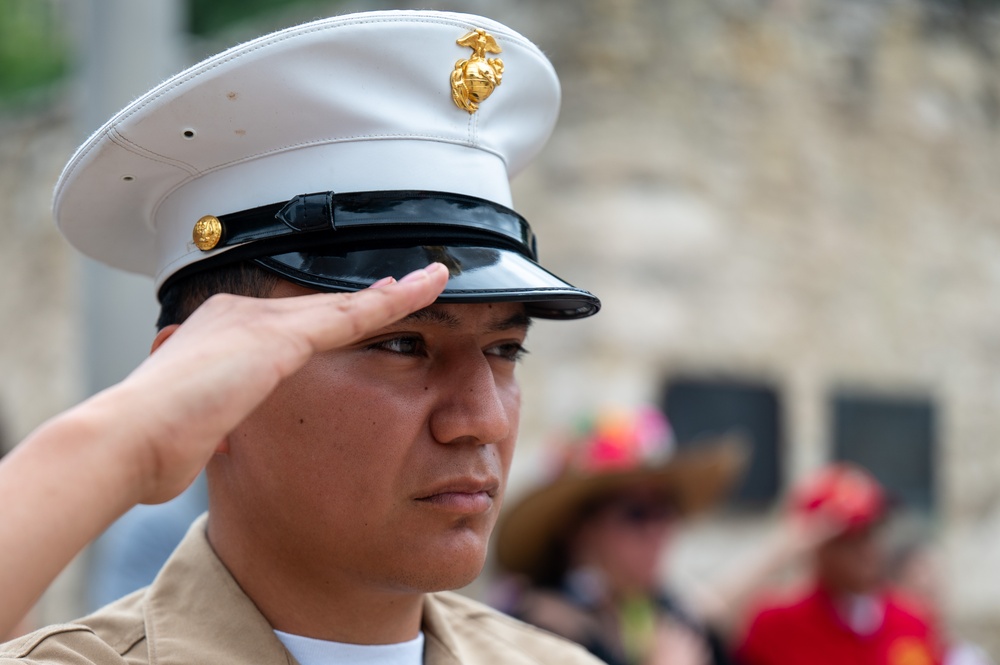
(208, 16)
(34, 47)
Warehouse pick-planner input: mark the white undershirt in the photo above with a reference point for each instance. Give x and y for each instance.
(309, 651)
(863, 614)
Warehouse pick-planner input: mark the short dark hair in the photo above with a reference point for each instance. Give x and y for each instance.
(180, 299)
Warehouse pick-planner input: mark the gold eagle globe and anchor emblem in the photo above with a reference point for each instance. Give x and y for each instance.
(474, 80)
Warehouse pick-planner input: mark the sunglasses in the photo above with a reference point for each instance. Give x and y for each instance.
(642, 513)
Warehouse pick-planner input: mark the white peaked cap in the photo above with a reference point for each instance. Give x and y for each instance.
(355, 103)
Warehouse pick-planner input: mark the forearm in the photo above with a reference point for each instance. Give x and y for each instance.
(60, 488)
(725, 600)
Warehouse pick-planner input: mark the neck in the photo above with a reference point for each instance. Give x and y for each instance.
(837, 591)
(326, 604)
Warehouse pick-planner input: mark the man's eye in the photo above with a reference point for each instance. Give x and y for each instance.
(408, 346)
(511, 351)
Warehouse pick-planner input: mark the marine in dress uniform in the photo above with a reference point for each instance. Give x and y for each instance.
(329, 157)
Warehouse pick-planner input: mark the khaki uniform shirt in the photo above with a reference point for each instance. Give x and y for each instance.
(194, 612)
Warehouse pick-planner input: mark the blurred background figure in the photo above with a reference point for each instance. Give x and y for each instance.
(131, 552)
(845, 613)
(585, 549)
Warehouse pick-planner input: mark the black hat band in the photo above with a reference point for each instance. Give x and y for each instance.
(380, 215)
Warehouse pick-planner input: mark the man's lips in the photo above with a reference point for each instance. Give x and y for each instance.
(462, 495)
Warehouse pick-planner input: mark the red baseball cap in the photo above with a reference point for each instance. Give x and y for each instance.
(846, 492)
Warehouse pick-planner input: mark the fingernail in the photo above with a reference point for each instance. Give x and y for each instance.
(424, 273)
(416, 275)
(385, 281)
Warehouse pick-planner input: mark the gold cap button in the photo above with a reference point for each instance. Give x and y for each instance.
(207, 232)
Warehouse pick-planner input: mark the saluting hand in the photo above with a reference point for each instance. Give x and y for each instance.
(205, 376)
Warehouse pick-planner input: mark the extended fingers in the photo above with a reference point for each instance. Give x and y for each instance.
(354, 315)
(218, 366)
(283, 332)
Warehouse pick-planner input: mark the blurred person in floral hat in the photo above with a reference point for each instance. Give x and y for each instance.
(586, 547)
(845, 613)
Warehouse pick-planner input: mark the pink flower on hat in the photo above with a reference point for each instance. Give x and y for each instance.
(618, 439)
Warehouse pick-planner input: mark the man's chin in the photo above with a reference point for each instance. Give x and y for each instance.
(447, 568)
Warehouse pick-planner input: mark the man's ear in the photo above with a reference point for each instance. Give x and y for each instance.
(163, 336)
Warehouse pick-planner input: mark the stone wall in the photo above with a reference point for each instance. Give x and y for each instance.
(39, 335)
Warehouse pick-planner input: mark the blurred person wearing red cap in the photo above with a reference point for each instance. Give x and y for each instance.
(586, 548)
(846, 613)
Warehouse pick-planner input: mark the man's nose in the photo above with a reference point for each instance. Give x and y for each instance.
(472, 407)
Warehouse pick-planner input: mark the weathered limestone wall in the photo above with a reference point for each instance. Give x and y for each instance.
(39, 333)
(40, 319)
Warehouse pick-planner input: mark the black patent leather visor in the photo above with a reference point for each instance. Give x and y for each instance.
(346, 242)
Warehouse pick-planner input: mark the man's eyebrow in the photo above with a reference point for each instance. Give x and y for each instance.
(520, 320)
(434, 315)
(443, 318)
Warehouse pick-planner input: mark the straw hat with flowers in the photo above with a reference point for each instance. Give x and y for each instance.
(612, 452)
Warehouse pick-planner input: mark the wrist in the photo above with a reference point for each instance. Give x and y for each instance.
(97, 438)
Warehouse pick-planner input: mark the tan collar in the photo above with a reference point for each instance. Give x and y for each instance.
(196, 612)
